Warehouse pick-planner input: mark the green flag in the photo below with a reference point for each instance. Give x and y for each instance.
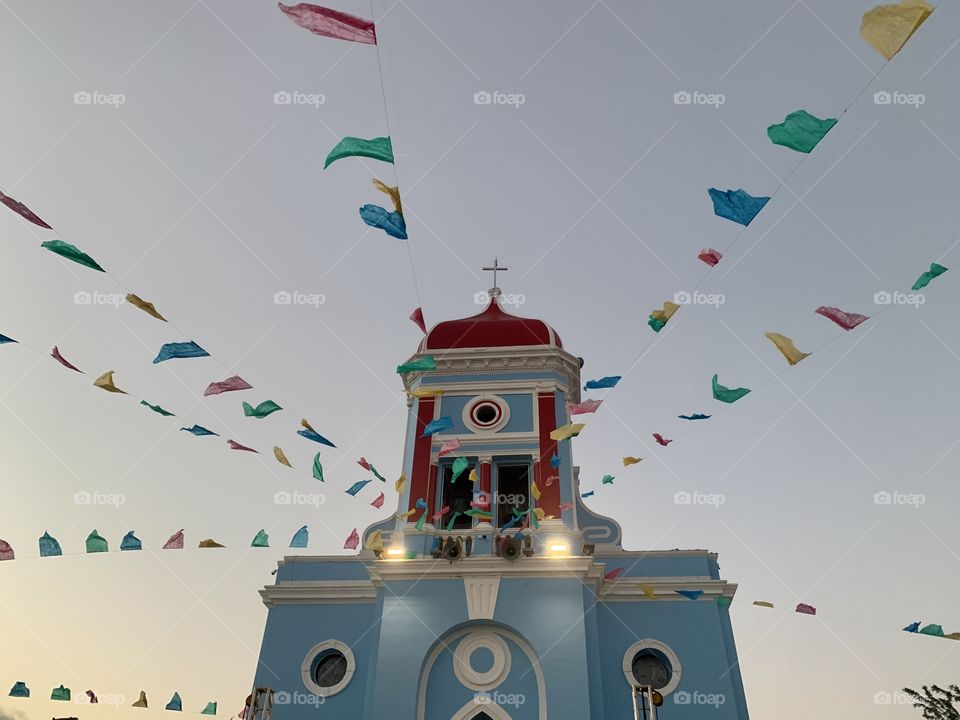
(95, 543)
(725, 394)
(377, 148)
(157, 409)
(926, 277)
(210, 709)
(265, 408)
(60, 693)
(800, 131)
(425, 363)
(318, 468)
(459, 465)
(261, 539)
(70, 252)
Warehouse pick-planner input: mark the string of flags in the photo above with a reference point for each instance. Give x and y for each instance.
(61, 693)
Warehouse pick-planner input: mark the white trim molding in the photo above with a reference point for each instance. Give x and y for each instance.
(307, 665)
(661, 647)
(481, 596)
(476, 706)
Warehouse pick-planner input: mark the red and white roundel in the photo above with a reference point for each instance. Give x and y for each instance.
(486, 413)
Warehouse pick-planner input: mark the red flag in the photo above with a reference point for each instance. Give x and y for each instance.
(848, 321)
(231, 383)
(22, 210)
(417, 317)
(710, 256)
(234, 445)
(362, 462)
(805, 609)
(352, 541)
(378, 503)
(331, 23)
(613, 574)
(661, 440)
(55, 354)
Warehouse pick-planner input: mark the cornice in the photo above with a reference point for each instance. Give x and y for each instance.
(319, 592)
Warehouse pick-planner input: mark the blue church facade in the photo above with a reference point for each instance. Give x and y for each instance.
(494, 593)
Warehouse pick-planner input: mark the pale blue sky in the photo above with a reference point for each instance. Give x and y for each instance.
(208, 198)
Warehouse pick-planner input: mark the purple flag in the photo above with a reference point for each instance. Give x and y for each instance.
(175, 542)
(331, 23)
(848, 321)
(352, 541)
(805, 609)
(55, 354)
(234, 445)
(22, 210)
(231, 383)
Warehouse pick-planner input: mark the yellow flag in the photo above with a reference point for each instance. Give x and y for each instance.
(401, 481)
(375, 540)
(786, 346)
(630, 460)
(105, 381)
(281, 458)
(888, 27)
(147, 307)
(669, 309)
(763, 603)
(208, 543)
(648, 591)
(540, 513)
(405, 515)
(953, 636)
(472, 477)
(567, 431)
(393, 192)
(535, 491)
(425, 392)
(142, 702)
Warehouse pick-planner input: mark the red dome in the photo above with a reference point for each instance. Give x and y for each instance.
(491, 328)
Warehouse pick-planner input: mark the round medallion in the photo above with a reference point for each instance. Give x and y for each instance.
(481, 660)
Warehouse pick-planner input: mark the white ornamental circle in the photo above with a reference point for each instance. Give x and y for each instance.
(465, 671)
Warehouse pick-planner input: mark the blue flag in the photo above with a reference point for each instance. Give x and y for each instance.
(20, 689)
(438, 425)
(736, 205)
(391, 223)
(555, 461)
(694, 416)
(175, 350)
(131, 542)
(300, 538)
(174, 703)
(198, 430)
(49, 546)
(692, 594)
(4, 339)
(357, 487)
(586, 494)
(604, 382)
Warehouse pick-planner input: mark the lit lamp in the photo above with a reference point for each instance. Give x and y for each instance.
(396, 552)
(557, 548)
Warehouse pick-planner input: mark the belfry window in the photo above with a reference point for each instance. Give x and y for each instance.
(456, 494)
(512, 491)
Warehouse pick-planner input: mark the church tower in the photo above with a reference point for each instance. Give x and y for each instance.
(494, 593)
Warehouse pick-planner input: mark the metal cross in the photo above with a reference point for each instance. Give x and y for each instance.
(495, 267)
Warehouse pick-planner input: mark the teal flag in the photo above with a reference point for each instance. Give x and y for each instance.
(391, 222)
(300, 538)
(459, 465)
(49, 546)
(261, 539)
(267, 407)
(60, 693)
(924, 280)
(422, 520)
(175, 350)
(210, 709)
(737, 205)
(19, 689)
(131, 542)
(70, 252)
(800, 131)
(657, 325)
(725, 394)
(607, 480)
(95, 543)
(377, 148)
(423, 364)
(932, 629)
(174, 703)
(157, 409)
(357, 487)
(318, 468)
(724, 601)
(198, 430)
(4, 339)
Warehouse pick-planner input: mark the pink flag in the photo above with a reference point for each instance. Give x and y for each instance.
(417, 317)
(710, 256)
(231, 383)
(848, 321)
(352, 541)
(234, 445)
(549, 481)
(22, 210)
(613, 574)
(378, 503)
(331, 23)
(362, 462)
(175, 542)
(55, 354)
(6, 552)
(443, 511)
(481, 501)
(587, 406)
(565, 506)
(93, 697)
(805, 609)
(661, 440)
(448, 447)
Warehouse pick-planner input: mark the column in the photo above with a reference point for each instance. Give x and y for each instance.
(484, 473)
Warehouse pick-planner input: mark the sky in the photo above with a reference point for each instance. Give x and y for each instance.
(197, 189)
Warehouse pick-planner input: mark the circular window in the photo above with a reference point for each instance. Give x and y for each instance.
(651, 663)
(486, 413)
(481, 660)
(328, 668)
